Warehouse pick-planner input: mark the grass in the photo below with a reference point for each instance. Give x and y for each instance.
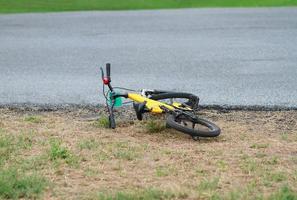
(112, 150)
(222, 165)
(155, 126)
(124, 151)
(249, 165)
(144, 194)
(88, 144)
(14, 185)
(276, 177)
(58, 152)
(35, 163)
(285, 137)
(162, 171)
(18, 6)
(126, 155)
(248, 191)
(285, 193)
(11, 145)
(6, 148)
(206, 185)
(274, 160)
(25, 139)
(207, 188)
(73, 160)
(14, 181)
(102, 122)
(33, 119)
(259, 146)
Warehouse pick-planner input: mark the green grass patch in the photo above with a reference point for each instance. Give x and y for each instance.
(14, 185)
(284, 193)
(102, 122)
(11, 147)
(162, 171)
(208, 185)
(34, 163)
(103, 151)
(285, 137)
(144, 194)
(247, 191)
(207, 188)
(91, 172)
(276, 177)
(154, 126)
(200, 171)
(88, 144)
(260, 155)
(249, 165)
(125, 151)
(274, 160)
(222, 165)
(259, 146)
(58, 152)
(32, 118)
(125, 155)
(7, 147)
(16, 6)
(25, 139)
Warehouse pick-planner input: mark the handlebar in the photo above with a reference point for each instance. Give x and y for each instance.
(106, 79)
(108, 70)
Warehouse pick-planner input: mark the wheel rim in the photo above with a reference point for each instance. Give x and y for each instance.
(195, 125)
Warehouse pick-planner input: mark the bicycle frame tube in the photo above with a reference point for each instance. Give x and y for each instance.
(152, 105)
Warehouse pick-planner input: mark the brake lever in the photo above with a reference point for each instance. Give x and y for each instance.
(102, 73)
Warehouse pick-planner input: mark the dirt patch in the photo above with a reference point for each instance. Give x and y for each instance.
(254, 156)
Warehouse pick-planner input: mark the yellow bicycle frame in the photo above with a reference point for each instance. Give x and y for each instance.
(153, 105)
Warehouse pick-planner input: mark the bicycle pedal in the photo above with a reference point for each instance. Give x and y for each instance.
(139, 109)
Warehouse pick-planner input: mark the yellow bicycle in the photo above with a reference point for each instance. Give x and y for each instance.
(180, 108)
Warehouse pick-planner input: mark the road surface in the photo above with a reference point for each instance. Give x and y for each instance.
(226, 56)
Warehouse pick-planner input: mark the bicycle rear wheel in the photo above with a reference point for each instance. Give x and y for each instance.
(189, 99)
(195, 127)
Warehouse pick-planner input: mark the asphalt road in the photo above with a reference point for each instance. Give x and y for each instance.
(226, 56)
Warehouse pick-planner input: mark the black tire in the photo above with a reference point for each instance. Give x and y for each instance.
(193, 100)
(176, 123)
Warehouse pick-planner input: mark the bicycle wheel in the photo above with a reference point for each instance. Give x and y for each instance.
(195, 127)
(189, 99)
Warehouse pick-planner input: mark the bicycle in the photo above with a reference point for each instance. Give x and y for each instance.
(180, 114)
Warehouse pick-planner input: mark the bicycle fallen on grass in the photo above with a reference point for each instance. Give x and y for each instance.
(179, 108)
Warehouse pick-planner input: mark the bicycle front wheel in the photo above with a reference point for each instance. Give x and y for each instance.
(195, 127)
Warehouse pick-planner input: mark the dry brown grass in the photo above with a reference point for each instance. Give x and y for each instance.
(254, 156)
